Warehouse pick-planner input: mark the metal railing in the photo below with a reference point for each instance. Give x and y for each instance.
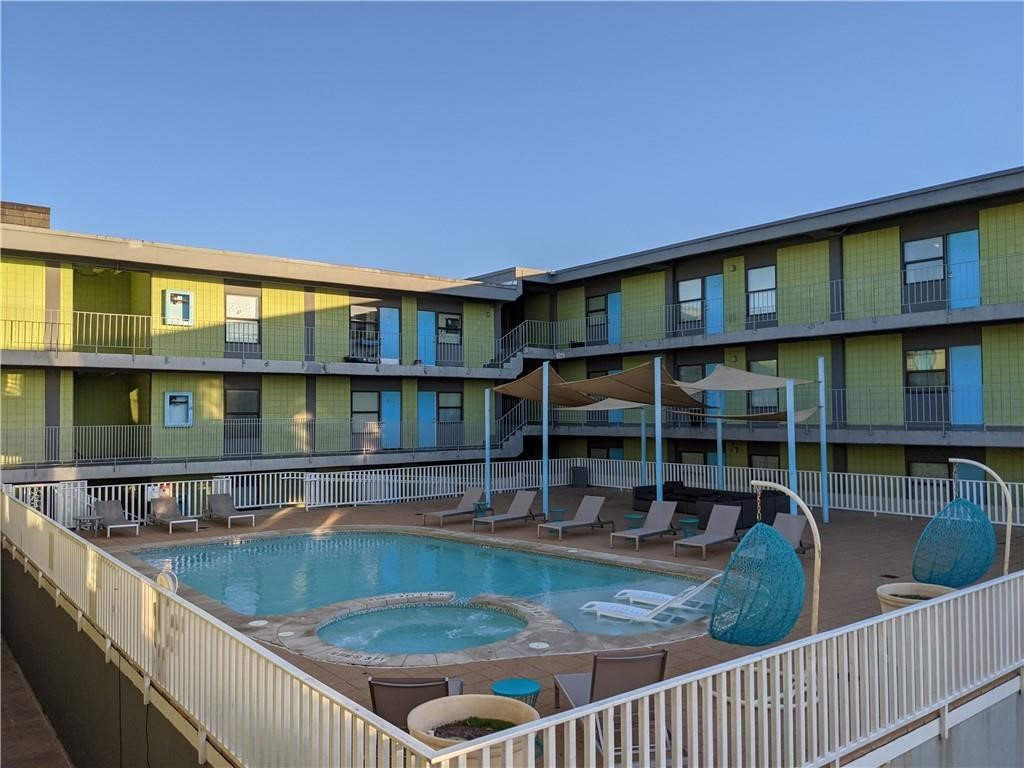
(809, 702)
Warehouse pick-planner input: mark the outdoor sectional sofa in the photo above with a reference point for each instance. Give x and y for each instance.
(699, 502)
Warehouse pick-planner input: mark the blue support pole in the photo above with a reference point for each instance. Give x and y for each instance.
(822, 418)
(791, 442)
(721, 452)
(658, 470)
(643, 445)
(544, 438)
(487, 445)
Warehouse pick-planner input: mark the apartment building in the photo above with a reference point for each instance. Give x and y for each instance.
(137, 359)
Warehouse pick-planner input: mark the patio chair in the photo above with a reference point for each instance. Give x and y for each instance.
(164, 510)
(656, 607)
(220, 506)
(588, 515)
(464, 507)
(393, 698)
(112, 516)
(721, 527)
(612, 674)
(792, 529)
(657, 523)
(518, 510)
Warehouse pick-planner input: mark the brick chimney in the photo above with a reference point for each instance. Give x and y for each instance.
(26, 215)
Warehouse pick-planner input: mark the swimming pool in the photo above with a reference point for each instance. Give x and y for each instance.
(264, 576)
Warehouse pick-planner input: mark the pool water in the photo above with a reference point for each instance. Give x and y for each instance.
(421, 629)
(265, 576)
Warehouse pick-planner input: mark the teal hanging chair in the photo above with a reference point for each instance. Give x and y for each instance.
(761, 592)
(957, 546)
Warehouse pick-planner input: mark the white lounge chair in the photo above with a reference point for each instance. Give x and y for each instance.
(464, 507)
(519, 509)
(688, 604)
(698, 596)
(164, 510)
(112, 516)
(220, 506)
(588, 515)
(721, 527)
(657, 523)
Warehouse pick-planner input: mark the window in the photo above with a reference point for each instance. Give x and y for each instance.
(761, 292)
(691, 457)
(597, 453)
(365, 412)
(597, 319)
(761, 461)
(242, 403)
(449, 328)
(928, 469)
(926, 368)
(241, 319)
(764, 400)
(449, 406)
(924, 260)
(688, 374)
(690, 295)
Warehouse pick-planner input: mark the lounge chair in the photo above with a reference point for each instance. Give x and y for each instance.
(112, 516)
(588, 515)
(721, 527)
(657, 522)
(699, 597)
(465, 507)
(164, 510)
(792, 528)
(220, 506)
(612, 674)
(393, 698)
(519, 509)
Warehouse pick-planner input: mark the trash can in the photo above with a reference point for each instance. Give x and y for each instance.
(580, 477)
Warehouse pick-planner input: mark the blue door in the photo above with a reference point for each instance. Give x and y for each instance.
(964, 270)
(614, 318)
(391, 420)
(714, 307)
(426, 416)
(713, 400)
(426, 328)
(616, 453)
(615, 417)
(389, 335)
(966, 404)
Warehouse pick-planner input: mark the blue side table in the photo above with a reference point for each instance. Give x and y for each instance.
(481, 508)
(556, 514)
(688, 524)
(522, 688)
(635, 520)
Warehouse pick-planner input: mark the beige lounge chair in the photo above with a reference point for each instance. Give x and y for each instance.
(792, 528)
(588, 515)
(164, 510)
(721, 527)
(112, 516)
(519, 509)
(393, 698)
(220, 506)
(657, 523)
(465, 507)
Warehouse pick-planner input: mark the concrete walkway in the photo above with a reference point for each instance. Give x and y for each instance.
(26, 737)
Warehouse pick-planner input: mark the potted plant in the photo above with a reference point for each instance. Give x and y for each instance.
(450, 720)
(892, 597)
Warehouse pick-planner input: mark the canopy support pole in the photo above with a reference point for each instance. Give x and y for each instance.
(487, 446)
(795, 499)
(822, 418)
(721, 455)
(643, 445)
(1009, 505)
(791, 441)
(544, 439)
(658, 470)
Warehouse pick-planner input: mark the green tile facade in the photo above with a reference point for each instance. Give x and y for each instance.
(1002, 358)
(802, 283)
(799, 360)
(874, 380)
(478, 331)
(643, 306)
(283, 322)
(1001, 235)
(872, 278)
(734, 278)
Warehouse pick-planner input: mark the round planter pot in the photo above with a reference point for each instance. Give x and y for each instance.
(449, 709)
(892, 597)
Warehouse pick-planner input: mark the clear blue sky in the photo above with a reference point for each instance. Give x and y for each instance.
(459, 138)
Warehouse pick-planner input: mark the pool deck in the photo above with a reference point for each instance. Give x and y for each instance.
(859, 552)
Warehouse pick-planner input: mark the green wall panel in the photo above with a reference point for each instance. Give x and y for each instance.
(736, 402)
(872, 279)
(478, 333)
(1001, 234)
(283, 322)
(572, 309)
(283, 408)
(572, 447)
(205, 337)
(410, 392)
(537, 308)
(875, 460)
(206, 435)
(331, 325)
(1002, 355)
(333, 413)
(874, 380)
(23, 409)
(735, 293)
(1008, 463)
(737, 453)
(643, 306)
(802, 283)
(408, 319)
(799, 360)
(22, 303)
(473, 410)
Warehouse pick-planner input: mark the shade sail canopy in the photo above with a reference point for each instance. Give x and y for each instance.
(609, 404)
(726, 379)
(531, 387)
(634, 386)
(798, 416)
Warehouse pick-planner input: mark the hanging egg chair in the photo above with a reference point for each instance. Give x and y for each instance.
(761, 591)
(957, 546)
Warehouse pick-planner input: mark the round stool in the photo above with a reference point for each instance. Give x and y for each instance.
(522, 688)
(635, 520)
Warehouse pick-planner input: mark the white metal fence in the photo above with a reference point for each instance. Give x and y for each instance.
(806, 703)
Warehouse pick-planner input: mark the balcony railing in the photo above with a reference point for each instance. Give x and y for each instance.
(242, 439)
